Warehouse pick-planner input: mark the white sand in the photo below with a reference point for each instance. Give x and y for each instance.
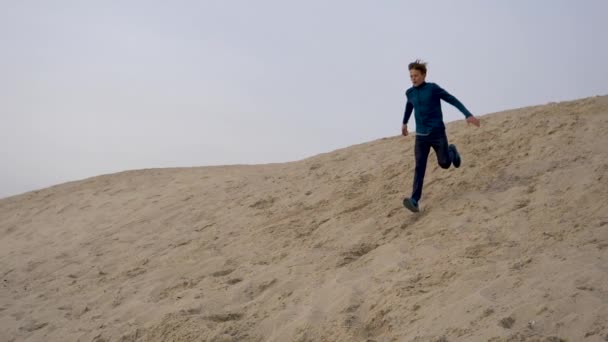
(513, 246)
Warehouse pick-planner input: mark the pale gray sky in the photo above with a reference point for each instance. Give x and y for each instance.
(94, 87)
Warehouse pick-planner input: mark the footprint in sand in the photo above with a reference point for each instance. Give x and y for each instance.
(132, 273)
(355, 253)
(33, 326)
(480, 250)
(263, 203)
(521, 203)
(224, 317)
(234, 281)
(170, 291)
(507, 322)
(254, 290)
(222, 273)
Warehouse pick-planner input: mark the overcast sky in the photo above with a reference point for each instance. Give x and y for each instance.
(95, 87)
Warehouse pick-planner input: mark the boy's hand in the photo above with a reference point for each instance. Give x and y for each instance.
(473, 120)
(404, 131)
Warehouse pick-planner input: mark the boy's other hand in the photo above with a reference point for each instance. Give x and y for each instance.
(404, 131)
(473, 120)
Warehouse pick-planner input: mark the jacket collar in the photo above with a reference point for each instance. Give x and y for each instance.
(421, 85)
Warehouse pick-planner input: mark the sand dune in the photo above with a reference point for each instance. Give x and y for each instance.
(513, 246)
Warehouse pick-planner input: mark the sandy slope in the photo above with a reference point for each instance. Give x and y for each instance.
(513, 246)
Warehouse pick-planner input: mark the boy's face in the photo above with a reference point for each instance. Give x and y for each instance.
(417, 77)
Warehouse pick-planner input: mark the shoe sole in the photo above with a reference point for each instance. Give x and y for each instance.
(408, 204)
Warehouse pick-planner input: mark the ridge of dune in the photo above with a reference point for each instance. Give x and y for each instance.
(512, 246)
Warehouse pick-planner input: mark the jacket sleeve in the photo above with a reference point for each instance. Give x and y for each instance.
(449, 98)
(409, 107)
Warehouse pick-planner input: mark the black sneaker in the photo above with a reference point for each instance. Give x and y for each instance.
(411, 204)
(456, 161)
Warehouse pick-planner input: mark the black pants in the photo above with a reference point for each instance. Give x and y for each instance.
(439, 142)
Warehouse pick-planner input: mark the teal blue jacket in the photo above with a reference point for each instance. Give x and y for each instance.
(425, 101)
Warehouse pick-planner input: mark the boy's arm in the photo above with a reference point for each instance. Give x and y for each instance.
(449, 98)
(409, 107)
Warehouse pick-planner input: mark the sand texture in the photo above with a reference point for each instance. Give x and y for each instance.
(512, 246)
